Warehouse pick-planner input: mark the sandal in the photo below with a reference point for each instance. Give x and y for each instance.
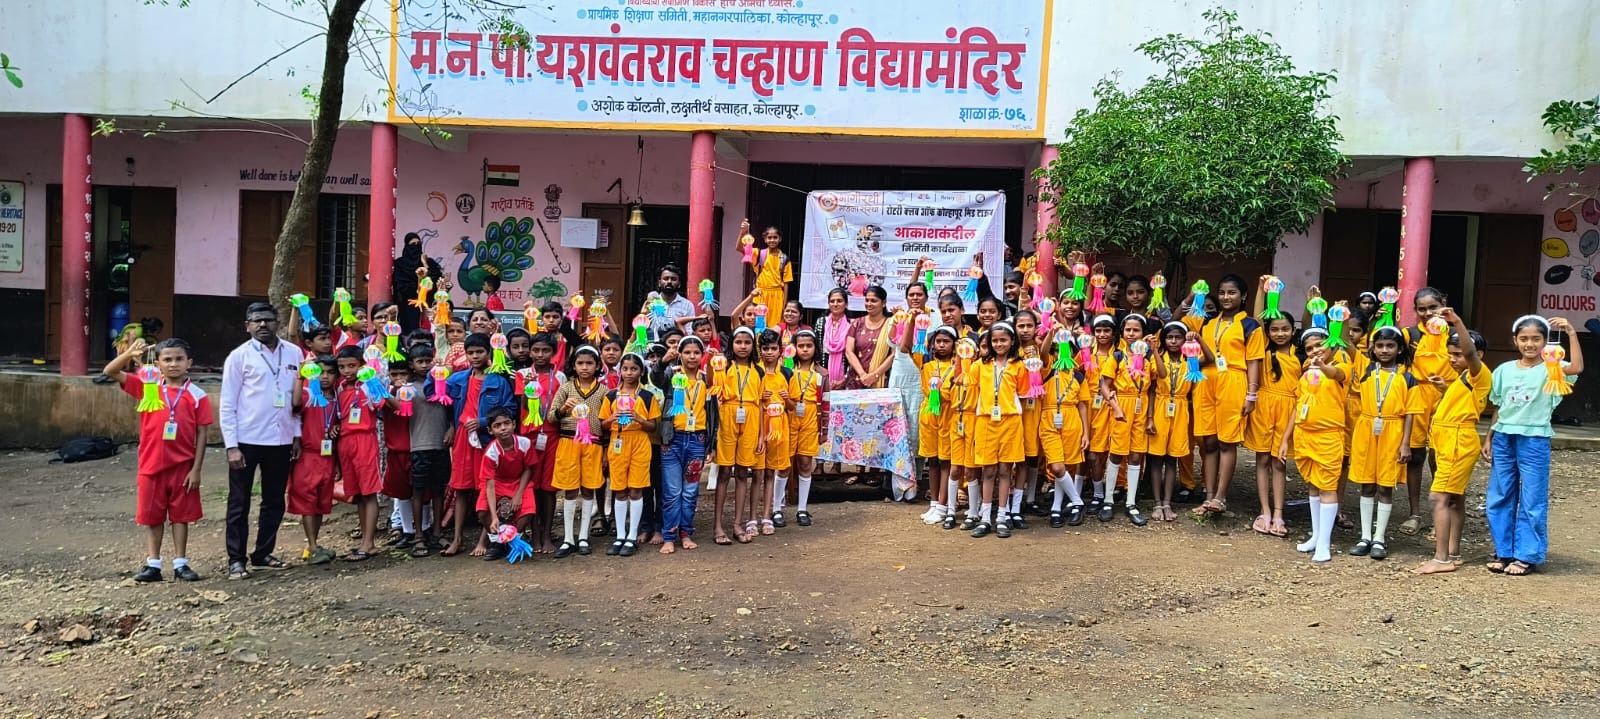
(1498, 564)
(767, 529)
(1519, 568)
(1278, 529)
(357, 555)
(1411, 526)
(1343, 522)
(268, 562)
(420, 550)
(1262, 525)
(721, 539)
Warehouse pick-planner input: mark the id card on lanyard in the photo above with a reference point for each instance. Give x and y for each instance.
(170, 430)
(1383, 394)
(329, 418)
(805, 392)
(738, 411)
(280, 398)
(1216, 341)
(999, 378)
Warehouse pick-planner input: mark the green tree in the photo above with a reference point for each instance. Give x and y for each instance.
(547, 289)
(1224, 151)
(1577, 124)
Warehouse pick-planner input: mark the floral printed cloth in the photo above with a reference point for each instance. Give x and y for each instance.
(869, 427)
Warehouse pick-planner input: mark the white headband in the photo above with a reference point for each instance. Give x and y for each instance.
(1108, 319)
(1309, 331)
(1544, 323)
(1178, 325)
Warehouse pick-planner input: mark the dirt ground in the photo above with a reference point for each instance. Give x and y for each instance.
(867, 613)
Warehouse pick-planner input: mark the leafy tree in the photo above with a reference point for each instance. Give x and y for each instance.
(1224, 151)
(1578, 123)
(547, 289)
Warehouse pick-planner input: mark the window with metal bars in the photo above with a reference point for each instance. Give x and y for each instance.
(338, 225)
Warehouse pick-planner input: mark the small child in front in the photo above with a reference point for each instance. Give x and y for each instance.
(1454, 437)
(311, 477)
(172, 445)
(505, 497)
(359, 450)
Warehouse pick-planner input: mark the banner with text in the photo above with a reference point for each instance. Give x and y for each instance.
(880, 236)
(945, 67)
(1568, 256)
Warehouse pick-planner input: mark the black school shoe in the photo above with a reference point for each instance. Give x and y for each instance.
(1362, 548)
(1107, 511)
(982, 530)
(564, 551)
(949, 521)
(1056, 521)
(1137, 517)
(614, 549)
(778, 520)
(1035, 509)
(1074, 515)
(1002, 530)
(148, 574)
(1379, 551)
(802, 518)
(1017, 522)
(185, 574)
(583, 547)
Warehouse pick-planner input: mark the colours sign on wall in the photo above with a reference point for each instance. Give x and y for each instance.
(934, 67)
(860, 239)
(1569, 258)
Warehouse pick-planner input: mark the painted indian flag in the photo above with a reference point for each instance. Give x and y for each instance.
(502, 175)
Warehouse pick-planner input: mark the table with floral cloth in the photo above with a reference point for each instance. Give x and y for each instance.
(868, 427)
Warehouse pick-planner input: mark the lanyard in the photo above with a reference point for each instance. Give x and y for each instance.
(277, 356)
(805, 385)
(999, 376)
(1174, 373)
(1383, 389)
(743, 379)
(329, 416)
(172, 405)
(1216, 337)
(1063, 380)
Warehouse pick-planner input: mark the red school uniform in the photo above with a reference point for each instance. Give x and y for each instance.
(505, 467)
(464, 454)
(360, 458)
(167, 451)
(397, 459)
(543, 460)
(311, 478)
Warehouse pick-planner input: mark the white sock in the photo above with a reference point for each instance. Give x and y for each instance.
(803, 494)
(1100, 488)
(952, 488)
(635, 512)
(588, 518)
(1108, 488)
(408, 523)
(1075, 492)
(1329, 514)
(620, 514)
(1060, 494)
(1368, 504)
(1384, 509)
(985, 511)
(180, 562)
(611, 502)
(780, 490)
(1133, 484)
(1031, 476)
(1016, 501)
(1316, 523)
(155, 563)
(569, 515)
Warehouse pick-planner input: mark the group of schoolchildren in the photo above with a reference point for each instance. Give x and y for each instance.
(1093, 386)
(1089, 388)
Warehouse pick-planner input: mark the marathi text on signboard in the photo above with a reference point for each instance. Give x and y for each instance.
(11, 216)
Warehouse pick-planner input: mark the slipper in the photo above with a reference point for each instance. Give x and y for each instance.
(1411, 526)
(743, 538)
(357, 555)
(1343, 522)
(323, 555)
(1262, 525)
(721, 540)
(767, 528)
(1278, 530)
(1519, 568)
(1498, 564)
(420, 550)
(268, 562)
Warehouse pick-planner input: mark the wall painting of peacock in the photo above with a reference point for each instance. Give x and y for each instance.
(506, 251)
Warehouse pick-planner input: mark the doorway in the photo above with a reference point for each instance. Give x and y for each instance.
(633, 256)
(131, 266)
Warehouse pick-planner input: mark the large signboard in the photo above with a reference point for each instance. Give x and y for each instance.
(11, 216)
(945, 68)
(880, 236)
(1570, 252)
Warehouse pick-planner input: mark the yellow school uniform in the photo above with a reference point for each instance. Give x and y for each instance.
(773, 273)
(695, 393)
(998, 435)
(933, 442)
(738, 408)
(1100, 415)
(1319, 429)
(1454, 430)
(1388, 396)
(1061, 426)
(1130, 436)
(1275, 401)
(1219, 401)
(1355, 363)
(776, 455)
(628, 452)
(804, 388)
(962, 419)
(1172, 437)
(1030, 412)
(1430, 358)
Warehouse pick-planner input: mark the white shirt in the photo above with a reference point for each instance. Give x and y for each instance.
(680, 306)
(257, 389)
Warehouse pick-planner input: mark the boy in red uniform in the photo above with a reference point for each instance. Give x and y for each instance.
(473, 393)
(397, 459)
(311, 478)
(171, 447)
(359, 450)
(506, 495)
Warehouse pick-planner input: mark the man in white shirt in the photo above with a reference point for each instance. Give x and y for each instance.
(259, 430)
(680, 309)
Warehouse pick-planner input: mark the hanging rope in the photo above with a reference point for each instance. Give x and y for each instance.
(761, 180)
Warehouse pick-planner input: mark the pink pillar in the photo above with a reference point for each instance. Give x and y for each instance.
(77, 244)
(380, 217)
(702, 198)
(1416, 224)
(1045, 250)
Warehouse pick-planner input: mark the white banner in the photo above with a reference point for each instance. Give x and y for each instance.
(881, 235)
(943, 68)
(11, 216)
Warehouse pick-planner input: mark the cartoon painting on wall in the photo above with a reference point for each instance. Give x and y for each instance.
(1570, 252)
(506, 250)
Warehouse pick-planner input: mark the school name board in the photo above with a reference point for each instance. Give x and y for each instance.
(932, 67)
(11, 216)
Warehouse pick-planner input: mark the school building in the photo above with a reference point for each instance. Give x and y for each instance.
(668, 121)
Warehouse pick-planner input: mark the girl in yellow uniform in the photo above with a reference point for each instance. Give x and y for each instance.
(630, 413)
(1025, 480)
(738, 395)
(1315, 438)
(1100, 357)
(1454, 436)
(1127, 387)
(938, 371)
(805, 388)
(1223, 404)
(1171, 441)
(1353, 357)
(1382, 444)
(773, 271)
(963, 432)
(1274, 404)
(1063, 439)
(1430, 358)
(772, 432)
(577, 474)
(999, 381)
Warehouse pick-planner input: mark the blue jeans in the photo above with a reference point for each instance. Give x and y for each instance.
(1518, 502)
(681, 462)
